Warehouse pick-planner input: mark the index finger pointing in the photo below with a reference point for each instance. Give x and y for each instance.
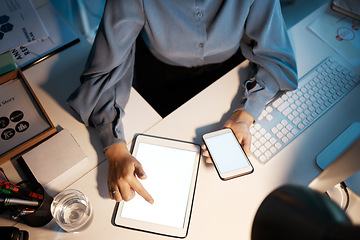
(139, 188)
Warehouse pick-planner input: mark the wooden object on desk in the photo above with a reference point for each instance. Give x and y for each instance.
(27, 143)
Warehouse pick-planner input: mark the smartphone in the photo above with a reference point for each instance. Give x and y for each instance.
(227, 154)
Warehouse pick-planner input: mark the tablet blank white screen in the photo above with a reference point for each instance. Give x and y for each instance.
(169, 173)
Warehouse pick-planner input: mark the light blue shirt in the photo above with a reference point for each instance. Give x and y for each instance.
(183, 33)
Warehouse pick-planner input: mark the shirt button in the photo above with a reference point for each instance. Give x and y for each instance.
(201, 45)
(200, 14)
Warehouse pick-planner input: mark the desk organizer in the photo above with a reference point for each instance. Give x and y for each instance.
(39, 215)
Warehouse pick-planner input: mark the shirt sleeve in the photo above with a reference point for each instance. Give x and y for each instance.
(265, 42)
(106, 81)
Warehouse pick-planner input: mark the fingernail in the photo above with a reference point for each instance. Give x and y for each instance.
(142, 175)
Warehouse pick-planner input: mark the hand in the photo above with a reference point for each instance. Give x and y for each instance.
(240, 122)
(123, 173)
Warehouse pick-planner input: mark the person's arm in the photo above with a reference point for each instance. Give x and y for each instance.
(106, 81)
(104, 92)
(265, 42)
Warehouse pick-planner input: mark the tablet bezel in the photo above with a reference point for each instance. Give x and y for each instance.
(152, 227)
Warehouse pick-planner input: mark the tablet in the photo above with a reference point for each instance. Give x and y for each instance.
(171, 167)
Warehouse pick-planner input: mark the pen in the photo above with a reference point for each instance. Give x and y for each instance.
(20, 191)
(17, 201)
(5, 191)
(22, 212)
(8, 192)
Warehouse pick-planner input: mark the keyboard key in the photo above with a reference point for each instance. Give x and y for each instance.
(262, 158)
(268, 154)
(305, 122)
(289, 135)
(269, 117)
(274, 130)
(262, 149)
(269, 109)
(257, 135)
(296, 120)
(284, 131)
(284, 122)
(294, 131)
(257, 153)
(273, 149)
(277, 102)
(262, 131)
(284, 139)
(279, 135)
(252, 130)
(267, 136)
(283, 106)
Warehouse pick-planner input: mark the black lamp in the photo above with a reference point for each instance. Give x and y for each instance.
(294, 212)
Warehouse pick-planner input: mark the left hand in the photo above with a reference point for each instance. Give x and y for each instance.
(240, 122)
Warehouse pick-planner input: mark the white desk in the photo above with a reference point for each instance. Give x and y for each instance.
(223, 210)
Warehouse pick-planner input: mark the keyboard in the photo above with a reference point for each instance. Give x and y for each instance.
(288, 115)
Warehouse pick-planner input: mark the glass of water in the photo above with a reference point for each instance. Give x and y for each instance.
(72, 210)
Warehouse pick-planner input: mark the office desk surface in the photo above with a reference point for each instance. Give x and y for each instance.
(224, 209)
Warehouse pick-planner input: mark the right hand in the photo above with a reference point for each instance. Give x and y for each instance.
(240, 122)
(123, 173)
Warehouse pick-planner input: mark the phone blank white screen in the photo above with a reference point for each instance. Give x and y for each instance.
(169, 173)
(226, 152)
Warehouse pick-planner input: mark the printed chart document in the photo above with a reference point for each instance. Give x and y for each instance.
(341, 33)
(20, 24)
(19, 118)
(60, 37)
